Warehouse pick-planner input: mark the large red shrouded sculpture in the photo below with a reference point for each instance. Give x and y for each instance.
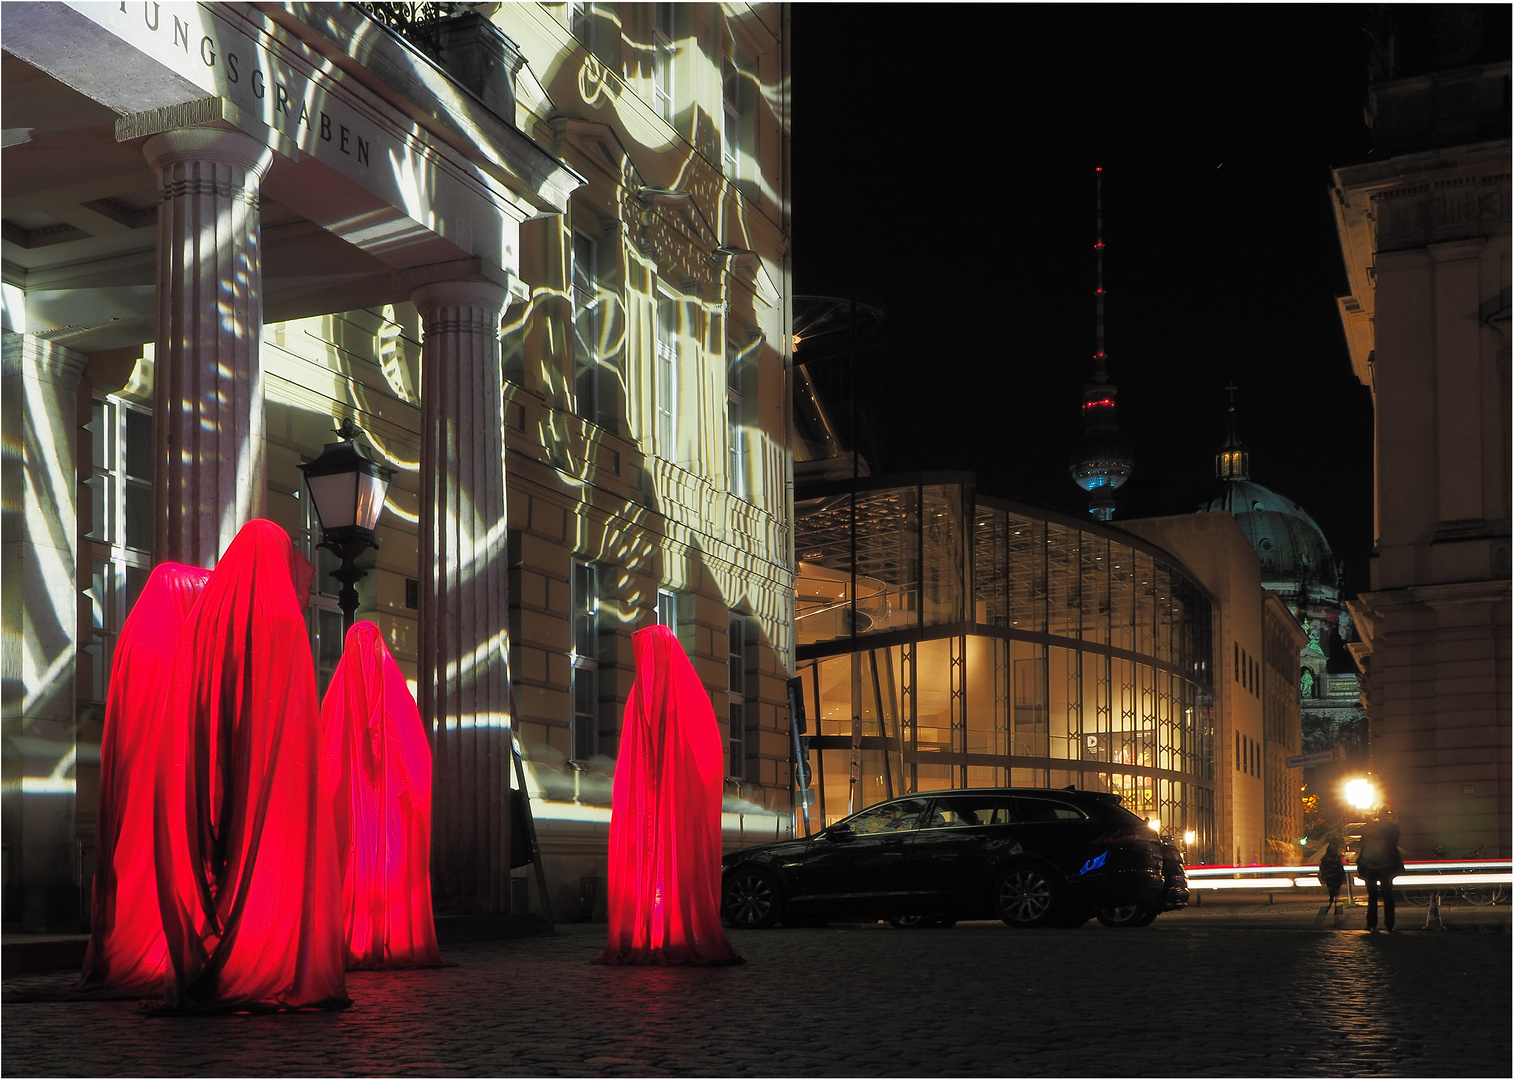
(377, 744)
(125, 953)
(664, 872)
(249, 886)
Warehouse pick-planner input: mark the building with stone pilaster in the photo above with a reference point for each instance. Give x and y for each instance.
(538, 254)
(1424, 230)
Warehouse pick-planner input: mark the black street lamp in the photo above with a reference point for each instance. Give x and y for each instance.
(347, 490)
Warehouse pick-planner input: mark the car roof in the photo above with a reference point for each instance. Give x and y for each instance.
(1061, 793)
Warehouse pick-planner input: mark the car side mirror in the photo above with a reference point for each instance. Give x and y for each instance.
(840, 833)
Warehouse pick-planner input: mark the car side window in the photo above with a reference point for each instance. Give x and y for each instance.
(965, 811)
(890, 817)
(1034, 809)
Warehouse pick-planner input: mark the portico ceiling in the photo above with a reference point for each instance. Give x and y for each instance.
(79, 213)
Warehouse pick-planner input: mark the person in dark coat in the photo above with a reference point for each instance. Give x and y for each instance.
(1378, 861)
(1332, 873)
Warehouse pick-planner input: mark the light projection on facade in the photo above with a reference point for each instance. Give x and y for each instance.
(664, 883)
(946, 639)
(248, 878)
(126, 949)
(376, 744)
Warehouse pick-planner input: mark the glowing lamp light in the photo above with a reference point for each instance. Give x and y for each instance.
(347, 489)
(1154, 824)
(1361, 793)
(1189, 837)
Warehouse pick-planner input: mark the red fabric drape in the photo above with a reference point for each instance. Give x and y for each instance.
(248, 881)
(382, 806)
(664, 872)
(125, 953)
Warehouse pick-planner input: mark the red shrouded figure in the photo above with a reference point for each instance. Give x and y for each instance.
(126, 932)
(664, 873)
(248, 882)
(378, 747)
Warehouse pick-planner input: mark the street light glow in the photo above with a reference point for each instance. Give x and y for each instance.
(1361, 793)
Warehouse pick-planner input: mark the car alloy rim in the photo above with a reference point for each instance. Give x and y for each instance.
(1025, 896)
(749, 898)
(1121, 914)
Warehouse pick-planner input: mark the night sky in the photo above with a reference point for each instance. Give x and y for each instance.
(943, 169)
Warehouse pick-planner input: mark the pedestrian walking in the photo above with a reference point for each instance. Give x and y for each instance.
(1378, 861)
(1332, 873)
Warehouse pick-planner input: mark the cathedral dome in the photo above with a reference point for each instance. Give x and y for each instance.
(1289, 543)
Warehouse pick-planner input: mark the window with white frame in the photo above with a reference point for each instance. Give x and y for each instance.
(667, 609)
(581, 23)
(732, 128)
(585, 660)
(666, 376)
(736, 696)
(120, 537)
(662, 60)
(739, 407)
(586, 323)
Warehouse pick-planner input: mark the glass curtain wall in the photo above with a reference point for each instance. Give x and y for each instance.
(953, 641)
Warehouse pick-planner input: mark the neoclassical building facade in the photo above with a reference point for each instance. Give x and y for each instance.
(1424, 232)
(537, 254)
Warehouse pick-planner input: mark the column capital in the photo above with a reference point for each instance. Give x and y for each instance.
(438, 303)
(219, 145)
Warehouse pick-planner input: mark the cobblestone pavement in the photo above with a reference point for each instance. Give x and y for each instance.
(1199, 993)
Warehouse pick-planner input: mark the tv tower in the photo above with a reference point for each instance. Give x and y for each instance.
(1104, 462)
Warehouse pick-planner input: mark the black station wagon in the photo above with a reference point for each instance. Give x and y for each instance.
(1028, 856)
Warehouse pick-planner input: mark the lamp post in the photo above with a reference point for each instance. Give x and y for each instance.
(347, 490)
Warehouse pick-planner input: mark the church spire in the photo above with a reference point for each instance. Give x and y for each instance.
(1104, 463)
(1233, 462)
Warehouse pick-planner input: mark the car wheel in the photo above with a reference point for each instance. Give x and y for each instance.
(908, 922)
(751, 899)
(1125, 915)
(1026, 896)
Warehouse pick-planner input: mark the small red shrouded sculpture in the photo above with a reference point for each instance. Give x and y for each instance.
(125, 954)
(664, 871)
(249, 884)
(377, 746)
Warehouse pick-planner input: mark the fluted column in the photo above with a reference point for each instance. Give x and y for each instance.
(39, 592)
(465, 593)
(208, 472)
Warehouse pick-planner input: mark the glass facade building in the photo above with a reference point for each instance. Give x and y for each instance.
(947, 639)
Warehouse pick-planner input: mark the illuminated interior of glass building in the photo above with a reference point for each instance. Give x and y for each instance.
(948, 639)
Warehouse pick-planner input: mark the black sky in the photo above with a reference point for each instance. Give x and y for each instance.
(943, 168)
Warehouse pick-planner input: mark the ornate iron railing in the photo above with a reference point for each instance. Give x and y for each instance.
(417, 23)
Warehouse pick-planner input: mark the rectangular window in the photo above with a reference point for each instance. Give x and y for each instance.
(586, 338)
(585, 660)
(1236, 667)
(120, 534)
(737, 481)
(662, 61)
(666, 376)
(581, 23)
(736, 695)
(667, 609)
(1237, 751)
(731, 127)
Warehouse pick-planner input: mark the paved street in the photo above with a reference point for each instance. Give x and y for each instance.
(1213, 991)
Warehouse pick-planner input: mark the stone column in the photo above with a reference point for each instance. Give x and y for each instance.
(464, 689)
(40, 599)
(208, 474)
